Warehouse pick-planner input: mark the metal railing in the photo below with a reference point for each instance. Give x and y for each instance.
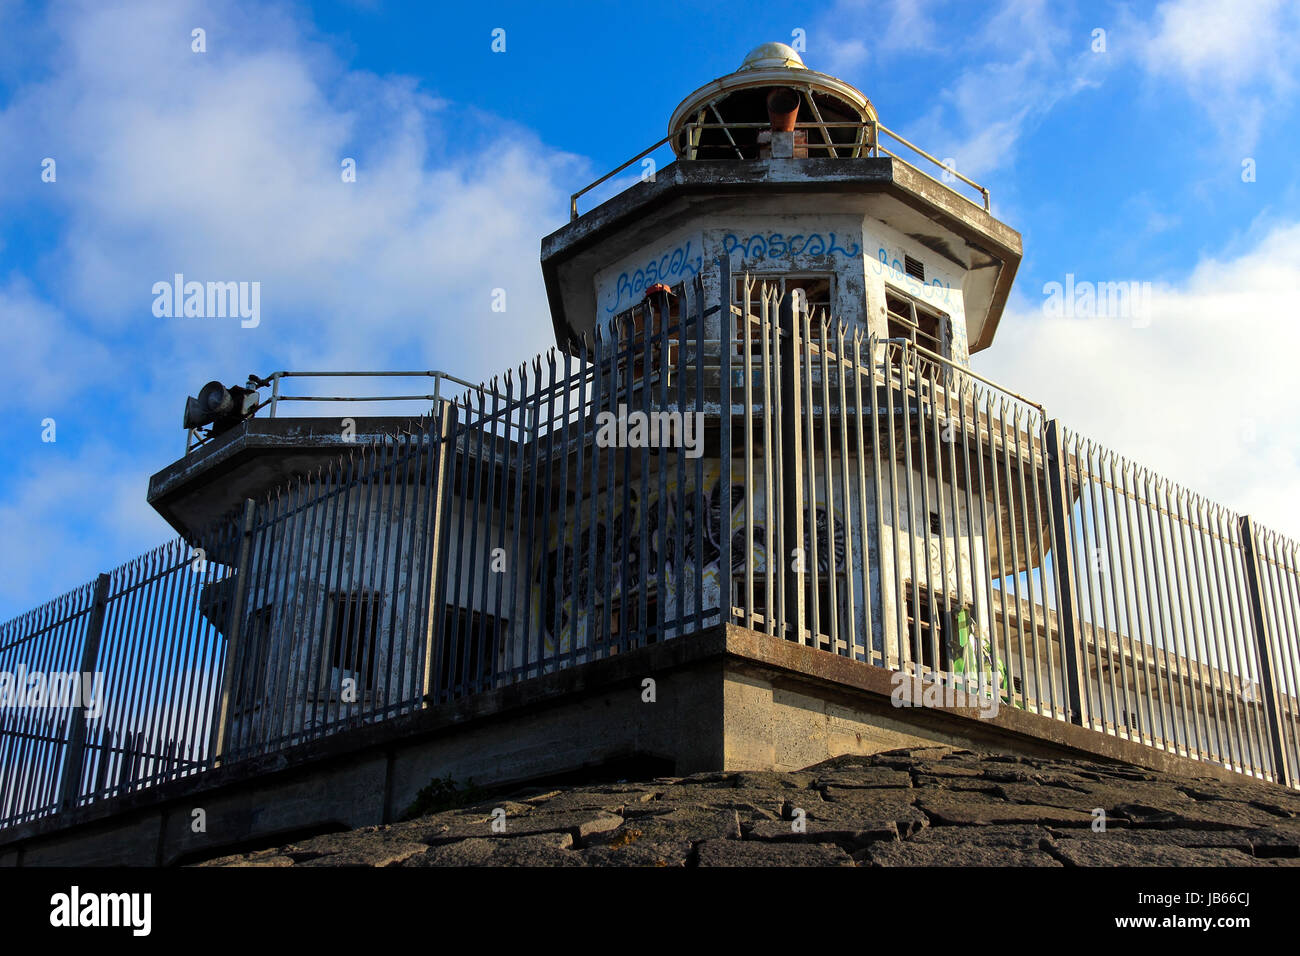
(863, 140)
(997, 540)
(194, 440)
(440, 561)
(119, 679)
(878, 150)
(851, 493)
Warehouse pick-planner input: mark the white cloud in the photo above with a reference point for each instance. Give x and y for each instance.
(1008, 70)
(1214, 44)
(63, 512)
(1003, 68)
(1205, 394)
(226, 166)
(981, 116)
(1237, 60)
(57, 358)
(855, 31)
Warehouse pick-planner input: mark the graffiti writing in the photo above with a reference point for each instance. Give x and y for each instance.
(671, 268)
(775, 245)
(935, 290)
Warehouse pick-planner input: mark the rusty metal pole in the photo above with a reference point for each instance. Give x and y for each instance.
(74, 752)
(792, 465)
(439, 492)
(221, 720)
(1284, 773)
(1067, 619)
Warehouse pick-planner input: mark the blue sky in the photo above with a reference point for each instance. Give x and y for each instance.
(1122, 164)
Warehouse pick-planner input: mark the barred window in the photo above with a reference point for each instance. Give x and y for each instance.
(916, 322)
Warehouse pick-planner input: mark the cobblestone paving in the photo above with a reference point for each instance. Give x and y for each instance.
(933, 806)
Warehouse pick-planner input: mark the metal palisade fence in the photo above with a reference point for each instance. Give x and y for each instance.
(512, 532)
(112, 686)
(931, 522)
(684, 465)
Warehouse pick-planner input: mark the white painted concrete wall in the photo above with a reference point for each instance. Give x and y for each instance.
(863, 255)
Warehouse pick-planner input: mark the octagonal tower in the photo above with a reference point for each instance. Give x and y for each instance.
(789, 173)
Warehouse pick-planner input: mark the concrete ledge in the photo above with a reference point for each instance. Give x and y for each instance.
(687, 181)
(254, 456)
(839, 682)
(556, 723)
(876, 173)
(726, 699)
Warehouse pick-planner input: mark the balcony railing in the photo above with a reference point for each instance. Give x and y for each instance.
(835, 140)
(195, 437)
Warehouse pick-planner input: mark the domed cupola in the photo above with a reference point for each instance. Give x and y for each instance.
(772, 91)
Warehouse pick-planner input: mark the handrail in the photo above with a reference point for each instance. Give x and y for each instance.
(871, 143)
(938, 162)
(193, 440)
(275, 377)
(573, 200)
(963, 370)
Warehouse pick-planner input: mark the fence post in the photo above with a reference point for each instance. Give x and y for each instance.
(439, 473)
(726, 329)
(220, 727)
(792, 465)
(74, 752)
(1264, 642)
(1067, 622)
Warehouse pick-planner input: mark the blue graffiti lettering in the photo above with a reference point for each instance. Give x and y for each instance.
(937, 290)
(677, 265)
(776, 245)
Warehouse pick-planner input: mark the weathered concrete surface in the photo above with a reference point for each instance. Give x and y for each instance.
(252, 458)
(729, 700)
(919, 806)
(691, 196)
